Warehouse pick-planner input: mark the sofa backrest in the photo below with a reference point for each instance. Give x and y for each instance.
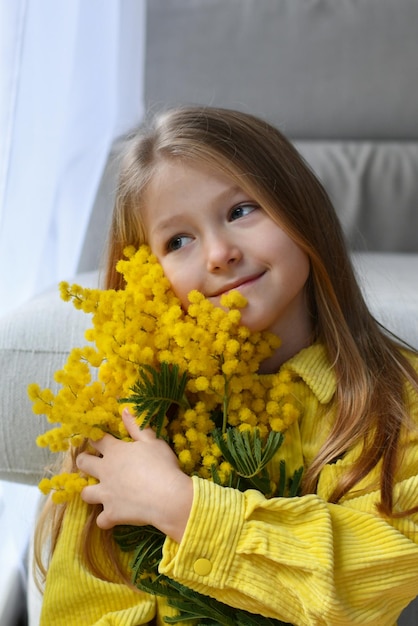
(341, 78)
(319, 70)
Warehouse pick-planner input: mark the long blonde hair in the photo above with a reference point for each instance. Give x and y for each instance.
(370, 367)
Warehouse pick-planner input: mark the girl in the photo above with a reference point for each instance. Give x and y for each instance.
(226, 202)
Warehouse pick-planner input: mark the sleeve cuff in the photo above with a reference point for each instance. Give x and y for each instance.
(209, 543)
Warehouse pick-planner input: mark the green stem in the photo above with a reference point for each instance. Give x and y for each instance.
(185, 402)
(225, 403)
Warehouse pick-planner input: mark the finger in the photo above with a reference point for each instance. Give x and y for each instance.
(130, 424)
(91, 494)
(88, 463)
(101, 444)
(146, 434)
(103, 522)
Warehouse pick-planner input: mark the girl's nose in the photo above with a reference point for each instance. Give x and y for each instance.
(221, 254)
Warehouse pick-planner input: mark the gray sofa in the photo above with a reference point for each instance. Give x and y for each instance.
(341, 80)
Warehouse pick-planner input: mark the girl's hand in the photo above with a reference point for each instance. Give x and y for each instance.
(140, 482)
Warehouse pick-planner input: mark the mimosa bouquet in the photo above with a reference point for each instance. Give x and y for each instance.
(190, 375)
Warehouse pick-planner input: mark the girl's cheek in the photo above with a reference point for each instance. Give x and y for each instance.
(180, 288)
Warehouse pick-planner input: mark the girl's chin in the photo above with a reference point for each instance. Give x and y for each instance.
(255, 326)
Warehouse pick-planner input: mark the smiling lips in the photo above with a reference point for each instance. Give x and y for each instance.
(241, 282)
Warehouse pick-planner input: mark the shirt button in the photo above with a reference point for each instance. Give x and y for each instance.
(202, 567)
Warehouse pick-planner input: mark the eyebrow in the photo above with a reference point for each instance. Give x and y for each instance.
(227, 195)
(166, 223)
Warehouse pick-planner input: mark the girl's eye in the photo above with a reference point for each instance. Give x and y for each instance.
(242, 210)
(177, 242)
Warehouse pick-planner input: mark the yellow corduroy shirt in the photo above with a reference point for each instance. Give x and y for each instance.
(300, 560)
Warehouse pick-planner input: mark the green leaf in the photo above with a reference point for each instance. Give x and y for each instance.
(233, 478)
(295, 483)
(288, 488)
(245, 451)
(147, 556)
(192, 605)
(156, 392)
(127, 537)
(281, 486)
(147, 543)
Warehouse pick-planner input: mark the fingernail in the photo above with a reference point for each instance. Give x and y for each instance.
(126, 412)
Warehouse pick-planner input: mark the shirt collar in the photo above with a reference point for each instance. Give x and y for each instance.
(313, 367)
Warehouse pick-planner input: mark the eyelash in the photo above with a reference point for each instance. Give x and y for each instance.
(169, 247)
(243, 205)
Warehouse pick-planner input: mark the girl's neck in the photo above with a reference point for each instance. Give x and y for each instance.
(285, 352)
(296, 333)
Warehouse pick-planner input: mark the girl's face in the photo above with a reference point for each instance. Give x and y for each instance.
(209, 235)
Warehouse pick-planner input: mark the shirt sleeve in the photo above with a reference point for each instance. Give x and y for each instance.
(74, 596)
(301, 560)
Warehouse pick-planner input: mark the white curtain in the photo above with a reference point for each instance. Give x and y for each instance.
(71, 81)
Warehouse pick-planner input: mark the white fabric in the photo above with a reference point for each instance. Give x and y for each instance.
(71, 80)
(16, 522)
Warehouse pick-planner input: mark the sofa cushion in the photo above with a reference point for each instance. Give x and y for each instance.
(374, 188)
(390, 286)
(34, 342)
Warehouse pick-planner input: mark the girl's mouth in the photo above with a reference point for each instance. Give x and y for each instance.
(239, 284)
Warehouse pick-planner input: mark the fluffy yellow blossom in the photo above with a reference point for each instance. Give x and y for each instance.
(65, 486)
(144, 324)
(201, 383)
(233, 300)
